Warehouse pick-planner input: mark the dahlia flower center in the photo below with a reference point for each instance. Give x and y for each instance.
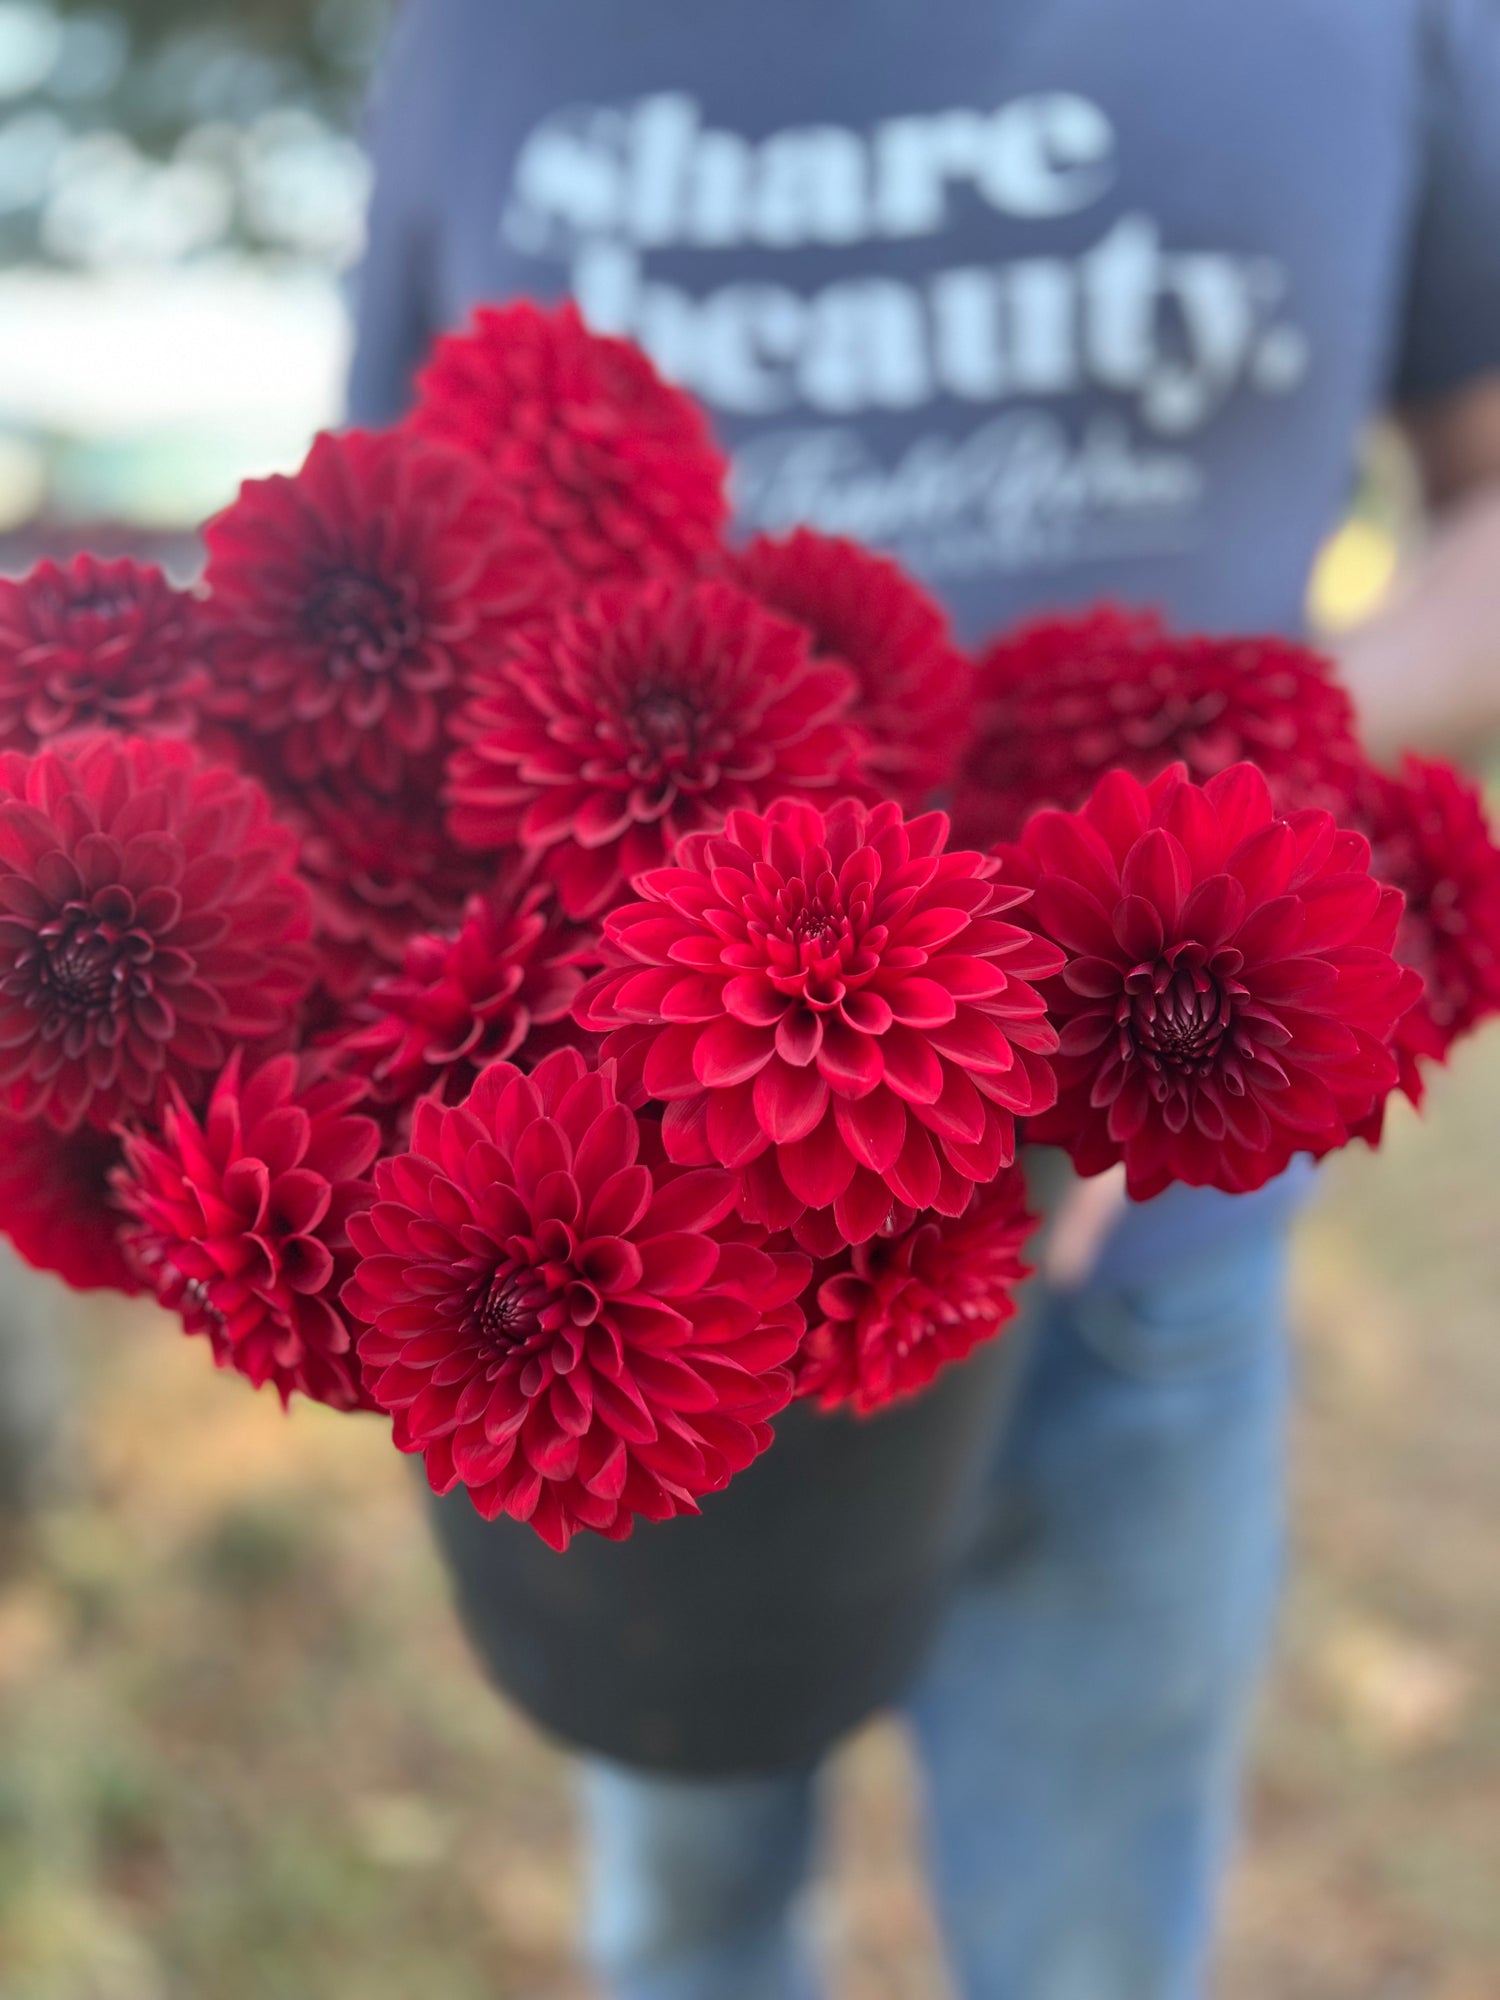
(816, 942)
(91, 960)
(1176, 1011)
(363, 622)
(508, 1312)
(669, 734)
(84, 608)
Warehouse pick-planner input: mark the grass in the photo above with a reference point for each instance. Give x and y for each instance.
(243, 1755)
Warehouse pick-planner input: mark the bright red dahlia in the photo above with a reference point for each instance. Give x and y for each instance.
(467, 999)
(892, 1312)
(1062, 701)
(915, 686)
(1230, 988)
(833, 1006)
(656, 709)
(1430, 838)
(616, 469)
(149, 919)
(97, 645)
(240, 1221)
(55, 1203)
(352, 602)
(557, 1318)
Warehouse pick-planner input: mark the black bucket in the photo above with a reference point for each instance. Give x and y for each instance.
(751, 1637)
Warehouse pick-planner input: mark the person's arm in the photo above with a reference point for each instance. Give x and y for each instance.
(1425, 670)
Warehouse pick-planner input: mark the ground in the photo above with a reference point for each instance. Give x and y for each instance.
(243, 1755)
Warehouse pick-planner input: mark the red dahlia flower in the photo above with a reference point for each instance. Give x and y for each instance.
(55, 1203)
(381, 871)
(240, 1220)
(149, 919)
(351, 603)
(656, 709)
(833, 1006)
(616, 469)
(914, 699)
(1062, 701)
(557, 1319)
(891, 1312)
(1230, 987)
(97, 645)
(467, 999)
(1430, 838)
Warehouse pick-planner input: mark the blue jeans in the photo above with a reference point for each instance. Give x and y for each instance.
(1081, 1721)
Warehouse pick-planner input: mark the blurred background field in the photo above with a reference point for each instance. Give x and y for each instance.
(243, 1755)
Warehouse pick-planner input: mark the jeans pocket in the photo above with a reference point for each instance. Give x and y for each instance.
(1190, 1318)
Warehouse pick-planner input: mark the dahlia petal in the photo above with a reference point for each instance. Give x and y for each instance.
(918, 1003)
(873, 1128)
(729, 1052)
(818, 1168)
(863, 1208)
(735, 1133)
(914, 1175)
(849, 1062)
(1156, 871)
(1242, 799)
(1139, 928)
(912, 1066)
(1073, 918)
(789, 1102)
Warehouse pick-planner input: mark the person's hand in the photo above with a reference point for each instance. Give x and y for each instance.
(1089, 1212)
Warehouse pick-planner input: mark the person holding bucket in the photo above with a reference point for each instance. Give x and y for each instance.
(1058, 301)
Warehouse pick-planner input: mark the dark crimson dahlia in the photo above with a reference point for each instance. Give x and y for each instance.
(239, 1221)
(55, 1203)
(351, 603)
(1430, 839)
(832, 1006)
(1230, 990)
(915, 687)
(1061, 701)
(892, 1312)
(616, 469)
(150, 918)
(97, 645)
(467, 998)
(658, 707)
(561, 1321)
(381, 871)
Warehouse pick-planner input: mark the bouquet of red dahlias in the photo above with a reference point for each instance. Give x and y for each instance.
(485, 957)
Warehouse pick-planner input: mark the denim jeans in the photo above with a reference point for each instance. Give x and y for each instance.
(1081, 1721)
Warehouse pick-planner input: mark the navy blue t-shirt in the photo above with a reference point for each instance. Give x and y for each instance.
(1056, 299)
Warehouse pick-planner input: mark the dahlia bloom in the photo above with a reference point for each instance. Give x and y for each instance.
(350, 603)
(381, 871)
(892, 1312)
(97, 645)
(915, 686)
(655, 709)
(466, 999)
(832, 1006)
(1230, 989)
(55, 1203)
(1063, 700)
(615, 468)
(150, 917)
(560, 1320)
(239, 1221)
(1431, 840)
